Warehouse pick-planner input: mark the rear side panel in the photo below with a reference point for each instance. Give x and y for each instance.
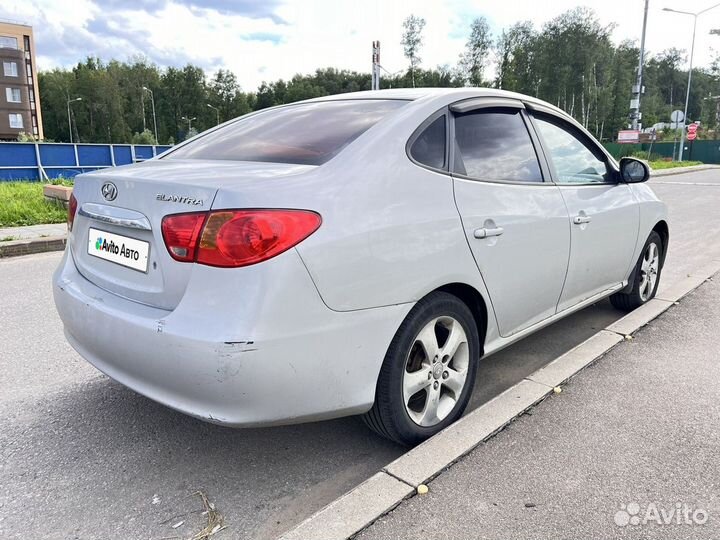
(391, 232)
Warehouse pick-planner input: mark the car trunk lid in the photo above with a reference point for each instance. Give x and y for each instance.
(117, 240)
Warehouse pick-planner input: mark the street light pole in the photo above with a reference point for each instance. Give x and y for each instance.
(142, 106)
(189, 121)
(692, 52)
(217, 113)
(69, 101)
(152, 99)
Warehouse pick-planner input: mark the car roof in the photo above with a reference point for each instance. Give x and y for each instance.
(414, 94)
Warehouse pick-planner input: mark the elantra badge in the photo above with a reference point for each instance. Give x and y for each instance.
(179, 199)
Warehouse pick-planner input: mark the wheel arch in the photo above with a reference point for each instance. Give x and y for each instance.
(661, 227)
(472, 298)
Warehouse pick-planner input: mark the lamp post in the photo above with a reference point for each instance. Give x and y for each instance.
(152, 99)
(692, 51)
(69, 101)
(217, 113)
(189, 121)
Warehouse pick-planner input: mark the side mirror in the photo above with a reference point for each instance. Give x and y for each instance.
(633, 170)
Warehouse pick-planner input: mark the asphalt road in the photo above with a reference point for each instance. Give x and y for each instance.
(83, 457)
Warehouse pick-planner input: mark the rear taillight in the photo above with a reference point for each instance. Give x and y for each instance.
(233, 238)
(181, 233)
(72, 210)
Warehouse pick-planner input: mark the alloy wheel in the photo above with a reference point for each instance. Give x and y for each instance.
(436, 371)
(649, 271)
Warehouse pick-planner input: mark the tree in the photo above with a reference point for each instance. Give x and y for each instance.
(516, 68)
(146, 137)
(224, 93)
(411, 41)
(474, 58)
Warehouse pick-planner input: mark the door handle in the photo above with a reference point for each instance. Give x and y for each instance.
(579, 220)
(486, 232)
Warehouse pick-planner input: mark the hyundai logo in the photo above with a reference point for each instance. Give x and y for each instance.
(109, 191)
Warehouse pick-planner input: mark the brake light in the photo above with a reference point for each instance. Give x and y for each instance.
(234, 238)
(181, 233)
(72, 209)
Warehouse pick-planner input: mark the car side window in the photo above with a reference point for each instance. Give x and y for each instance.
(429, 148)
(574, 161)
(494, 144)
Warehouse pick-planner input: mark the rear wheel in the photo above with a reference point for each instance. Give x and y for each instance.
(428, 373)
(647, 276)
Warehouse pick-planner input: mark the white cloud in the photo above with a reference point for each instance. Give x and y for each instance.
(259, 42)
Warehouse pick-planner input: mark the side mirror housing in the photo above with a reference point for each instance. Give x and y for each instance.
(633, 170)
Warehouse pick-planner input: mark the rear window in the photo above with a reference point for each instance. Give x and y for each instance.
(307, 134)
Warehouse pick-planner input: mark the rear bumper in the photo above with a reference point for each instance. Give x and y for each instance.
(249, 346)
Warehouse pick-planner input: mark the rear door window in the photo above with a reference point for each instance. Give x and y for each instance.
(307, 133)
(494, 144)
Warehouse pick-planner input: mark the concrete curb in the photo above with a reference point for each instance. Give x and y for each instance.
(361, 506)
(15, 248)
(681, 170)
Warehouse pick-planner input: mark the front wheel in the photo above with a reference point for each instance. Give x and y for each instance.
(428, 373)
(647, 276)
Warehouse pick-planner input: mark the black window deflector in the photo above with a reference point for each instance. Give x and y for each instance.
(472, 104)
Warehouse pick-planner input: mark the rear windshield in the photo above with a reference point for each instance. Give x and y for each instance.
(308, 134)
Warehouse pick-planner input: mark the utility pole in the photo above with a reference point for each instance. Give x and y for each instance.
(376, 65)
(636, 115)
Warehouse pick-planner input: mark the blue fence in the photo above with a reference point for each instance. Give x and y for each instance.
(42, 161)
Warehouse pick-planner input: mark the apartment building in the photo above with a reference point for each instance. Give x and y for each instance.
(19, 94)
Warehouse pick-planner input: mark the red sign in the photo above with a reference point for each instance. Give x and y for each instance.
(692, 132)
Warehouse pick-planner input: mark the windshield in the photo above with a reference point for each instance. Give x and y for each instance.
(307, 134)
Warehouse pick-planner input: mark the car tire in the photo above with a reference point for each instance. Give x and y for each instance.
(646, 276)
(435, 352)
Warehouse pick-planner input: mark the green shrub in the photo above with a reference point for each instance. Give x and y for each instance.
(146, 137)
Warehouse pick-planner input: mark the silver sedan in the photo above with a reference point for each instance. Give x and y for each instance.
(354, 254)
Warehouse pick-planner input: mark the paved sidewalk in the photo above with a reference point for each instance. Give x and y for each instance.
(32, 231)
(15, 241)
(628, 442)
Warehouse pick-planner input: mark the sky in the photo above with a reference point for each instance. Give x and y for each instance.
(264, 40)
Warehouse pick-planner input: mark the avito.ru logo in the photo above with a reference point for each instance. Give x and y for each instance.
(104, 245)
(680, 514)
(111, 247)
